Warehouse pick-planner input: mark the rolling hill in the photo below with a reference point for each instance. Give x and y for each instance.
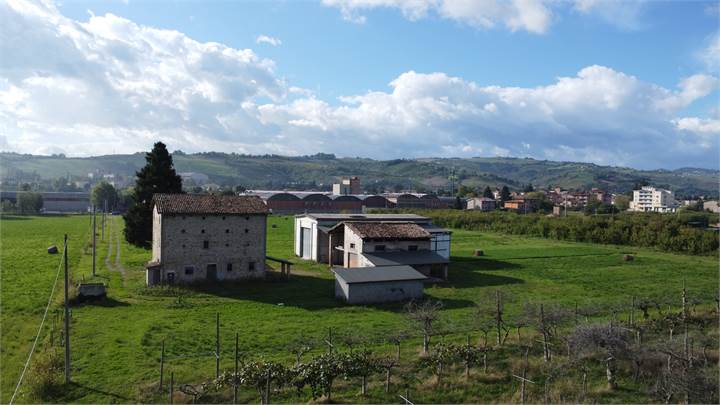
(321, 170)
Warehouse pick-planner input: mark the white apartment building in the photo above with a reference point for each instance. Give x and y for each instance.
(651, 199)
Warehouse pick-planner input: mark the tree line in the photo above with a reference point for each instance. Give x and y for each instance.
(685, 232)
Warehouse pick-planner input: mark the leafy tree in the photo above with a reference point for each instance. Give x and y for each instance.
(29, 203)
(7, 207)
(487, 193)
(458, 205)
(622, 202)
(104, 191)
(504, 193)
(158, 176)
(320, 373)
(441, 355)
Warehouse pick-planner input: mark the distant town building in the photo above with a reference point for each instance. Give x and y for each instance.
(370, 285)
(194, 178)
(481, 204)
(56, 201)
(651, 199)
(347, 185)
(206, 238)
(711, 206)
(522, 205)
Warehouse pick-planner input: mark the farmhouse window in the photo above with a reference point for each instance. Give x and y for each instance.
(227, 245)
(229, 267)
(203, 217)
(247, 230)
(189, 270)
(251, 266)
(202, 231)
(206, 244)
(227, 231)
(223, 218)
(247, 218)
(182, 231)
(379, 248)
(352, 246)
(412, 248)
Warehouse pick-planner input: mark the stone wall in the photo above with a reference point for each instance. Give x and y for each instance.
(234, 244)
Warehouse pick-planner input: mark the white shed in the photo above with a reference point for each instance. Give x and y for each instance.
(373, 285)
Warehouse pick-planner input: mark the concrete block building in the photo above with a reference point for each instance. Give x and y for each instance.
(378, 285)
(207, 238)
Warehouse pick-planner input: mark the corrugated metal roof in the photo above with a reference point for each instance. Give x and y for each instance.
(208, 204)
(416, 257)
(357, 275)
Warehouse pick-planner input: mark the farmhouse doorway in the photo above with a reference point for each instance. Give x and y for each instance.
(212, 272)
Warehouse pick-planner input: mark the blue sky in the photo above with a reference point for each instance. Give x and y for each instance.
(467, 78)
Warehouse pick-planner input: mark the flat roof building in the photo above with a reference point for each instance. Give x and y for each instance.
(370, 285)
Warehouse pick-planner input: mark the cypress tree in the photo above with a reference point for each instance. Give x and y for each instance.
(487, 193)
(158, 176)
(504, 193)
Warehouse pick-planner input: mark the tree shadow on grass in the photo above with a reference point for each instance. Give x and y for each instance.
(467, 272)
(301, 291)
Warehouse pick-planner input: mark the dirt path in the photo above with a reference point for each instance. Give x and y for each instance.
(118, 263)
(113, 237)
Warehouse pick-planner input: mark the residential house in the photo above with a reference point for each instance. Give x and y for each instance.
(481, 204)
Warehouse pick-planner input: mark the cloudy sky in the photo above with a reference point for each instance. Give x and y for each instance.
(622, 83)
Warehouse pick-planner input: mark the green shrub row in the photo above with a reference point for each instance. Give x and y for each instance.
(683, 233)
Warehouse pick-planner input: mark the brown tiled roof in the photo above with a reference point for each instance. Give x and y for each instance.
(208, 204)
(388, 230)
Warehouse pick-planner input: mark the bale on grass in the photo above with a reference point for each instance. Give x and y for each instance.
(478, 252)
(628, 258)
(52, 250)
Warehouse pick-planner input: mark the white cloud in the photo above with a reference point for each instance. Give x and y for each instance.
(710, 55)
(110, 85)
(534, 16)
(530, 15)
(625, 15)
(264, 39)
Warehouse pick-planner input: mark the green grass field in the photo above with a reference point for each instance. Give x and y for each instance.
(116, 345)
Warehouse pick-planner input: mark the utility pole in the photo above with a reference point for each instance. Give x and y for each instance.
(67, 316)
(93, 239)
(103, 219)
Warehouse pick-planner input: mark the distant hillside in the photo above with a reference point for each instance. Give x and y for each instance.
(321, 170)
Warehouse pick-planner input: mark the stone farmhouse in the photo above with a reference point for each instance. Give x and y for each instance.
(207, 238)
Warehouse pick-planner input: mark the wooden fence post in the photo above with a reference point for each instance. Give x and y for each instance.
(217, 345)
(172, 386)
(235, 376)
(162, 364)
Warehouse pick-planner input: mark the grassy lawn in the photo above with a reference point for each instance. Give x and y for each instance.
(116, 345)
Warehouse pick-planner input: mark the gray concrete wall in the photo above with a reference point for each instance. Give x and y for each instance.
(371, 293)
(235, 239)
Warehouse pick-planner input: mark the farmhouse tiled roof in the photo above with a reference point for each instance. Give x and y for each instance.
(388, 230)
(208, 204)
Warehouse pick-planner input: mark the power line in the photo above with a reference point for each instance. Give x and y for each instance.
(37, 336)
